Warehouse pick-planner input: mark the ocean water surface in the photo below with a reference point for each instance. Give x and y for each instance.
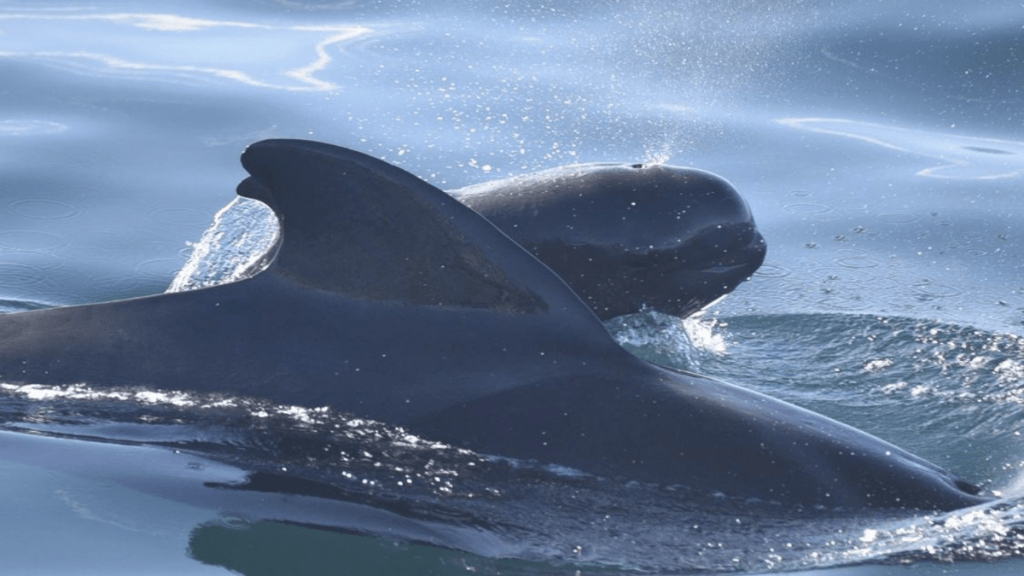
(880, 146)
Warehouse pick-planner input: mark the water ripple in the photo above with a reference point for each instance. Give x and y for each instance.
(44, 209)
(31, 240)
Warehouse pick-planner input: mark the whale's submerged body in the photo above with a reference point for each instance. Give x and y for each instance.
(387, 299)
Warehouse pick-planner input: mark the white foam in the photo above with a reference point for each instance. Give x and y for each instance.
(702, 335)
(241, 234)
(177, 398)
(878, 365)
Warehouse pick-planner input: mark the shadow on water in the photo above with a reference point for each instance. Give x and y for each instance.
(269, 548)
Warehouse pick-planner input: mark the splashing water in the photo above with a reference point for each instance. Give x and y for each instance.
(671, 341)
(232, 247)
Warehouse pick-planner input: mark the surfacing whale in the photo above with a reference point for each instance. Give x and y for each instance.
(387, 299)
(626, 237)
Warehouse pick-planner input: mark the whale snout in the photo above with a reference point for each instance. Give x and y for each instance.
(725, 246)
(697, 271)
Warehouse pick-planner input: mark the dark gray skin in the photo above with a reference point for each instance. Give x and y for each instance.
(629, 237)
(389, 300)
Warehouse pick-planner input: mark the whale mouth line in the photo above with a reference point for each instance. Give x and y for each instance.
(750, 256)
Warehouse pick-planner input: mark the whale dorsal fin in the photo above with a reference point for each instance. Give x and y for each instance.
(362, 228)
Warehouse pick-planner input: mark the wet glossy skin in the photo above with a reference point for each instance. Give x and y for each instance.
(389, 300)
(628, 237)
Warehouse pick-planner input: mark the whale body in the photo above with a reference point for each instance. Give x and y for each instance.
(387, 299)
(625, 237)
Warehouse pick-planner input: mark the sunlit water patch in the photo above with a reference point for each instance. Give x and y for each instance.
(960, 157)
(176, 47)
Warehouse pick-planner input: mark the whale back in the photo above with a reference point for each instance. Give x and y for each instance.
(384, 296)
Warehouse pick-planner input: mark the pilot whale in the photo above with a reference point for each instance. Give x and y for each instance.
(387, 299)
(626, 237)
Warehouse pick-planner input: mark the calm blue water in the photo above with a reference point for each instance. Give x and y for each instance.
(880, 145)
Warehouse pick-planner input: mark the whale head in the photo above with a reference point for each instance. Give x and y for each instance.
(628, 237)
